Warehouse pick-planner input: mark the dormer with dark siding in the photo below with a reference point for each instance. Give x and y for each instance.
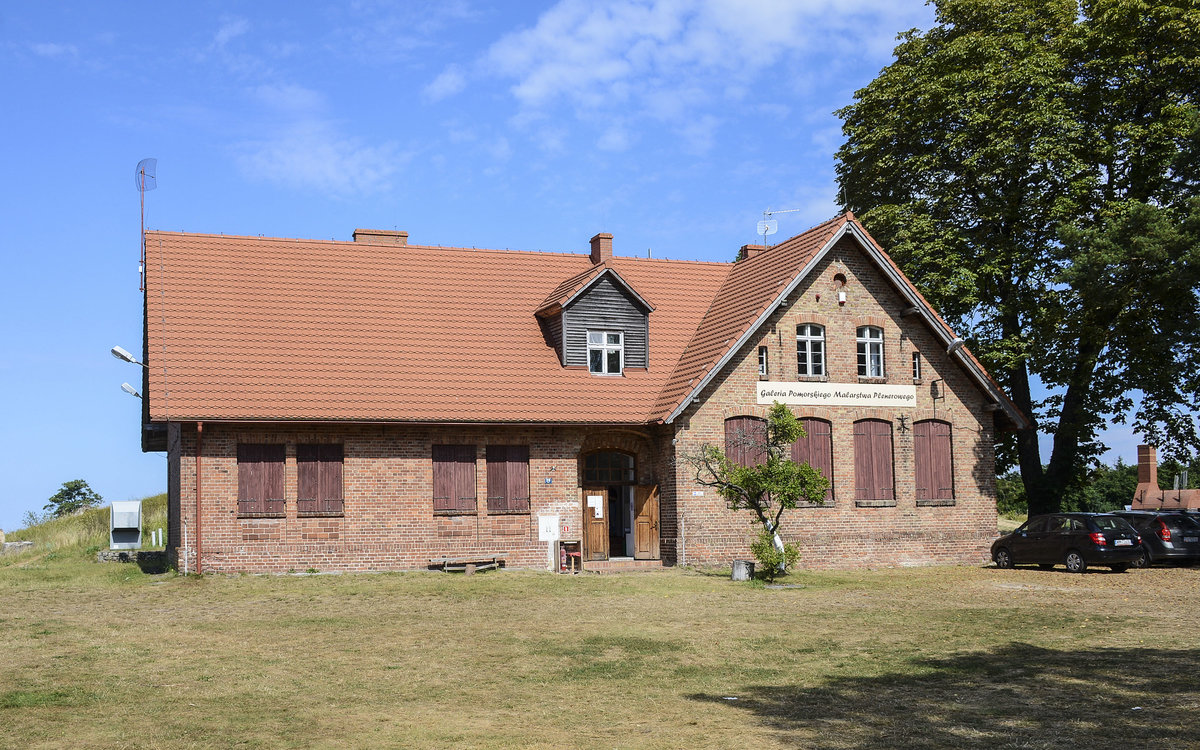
(606, 304)
(598, 301)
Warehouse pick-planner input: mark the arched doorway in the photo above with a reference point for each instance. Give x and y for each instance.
(620, 518)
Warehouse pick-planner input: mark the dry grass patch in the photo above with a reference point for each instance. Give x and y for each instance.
(102, 655)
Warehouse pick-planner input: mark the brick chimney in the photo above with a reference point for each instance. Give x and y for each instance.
(749, 251)
(1147, 465)
(601, 248)
(380, 237)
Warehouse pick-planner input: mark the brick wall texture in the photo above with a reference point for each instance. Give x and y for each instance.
(388, 521)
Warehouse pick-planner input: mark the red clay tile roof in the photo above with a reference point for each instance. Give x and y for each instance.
(752, 285)
(252, 328)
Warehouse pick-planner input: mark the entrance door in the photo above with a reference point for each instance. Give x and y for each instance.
(595, 525)
(645, 522)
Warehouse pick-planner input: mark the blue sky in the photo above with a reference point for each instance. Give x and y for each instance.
(673, 125)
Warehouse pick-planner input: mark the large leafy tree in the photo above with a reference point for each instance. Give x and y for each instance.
(1034, 166)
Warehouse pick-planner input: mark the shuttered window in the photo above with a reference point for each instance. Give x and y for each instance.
(932, 458)
(745, 440)
(816, 449)
(454, 478)
(873, 479)
(508, 478)
(319, 479)
(260, 478)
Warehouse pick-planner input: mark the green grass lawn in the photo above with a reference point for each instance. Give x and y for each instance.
(96, 655)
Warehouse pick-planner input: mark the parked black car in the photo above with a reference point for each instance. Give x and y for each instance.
(1076, 540)
(1167, 536)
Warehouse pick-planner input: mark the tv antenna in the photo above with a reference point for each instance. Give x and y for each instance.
(144, 179)
(769, 226)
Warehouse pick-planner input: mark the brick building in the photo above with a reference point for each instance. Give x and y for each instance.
(375, 405)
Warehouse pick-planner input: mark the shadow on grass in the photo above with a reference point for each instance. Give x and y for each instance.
(1017, 696)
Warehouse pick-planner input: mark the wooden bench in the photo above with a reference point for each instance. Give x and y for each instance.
(466, 565)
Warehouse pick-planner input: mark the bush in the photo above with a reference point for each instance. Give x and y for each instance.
(770, 559)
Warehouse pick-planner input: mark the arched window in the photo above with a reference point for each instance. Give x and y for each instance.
(608, 467)
(933, 460)
(810, 349)
(873, 478)
(816, 449)
(870, 352)
(746, 440)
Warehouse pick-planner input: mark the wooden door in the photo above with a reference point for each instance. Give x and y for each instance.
(645, 522)
(595, 525)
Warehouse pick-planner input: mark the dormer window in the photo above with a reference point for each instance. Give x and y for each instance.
(606, 352)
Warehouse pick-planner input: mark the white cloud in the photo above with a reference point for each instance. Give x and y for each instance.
(448, 83)
(231, 28)
(667, 60)
(50, 49)
(311, 154)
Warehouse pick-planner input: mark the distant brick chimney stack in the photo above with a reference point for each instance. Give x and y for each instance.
(380, 237)
(601, 248)
(749, 251)
(1147, 465)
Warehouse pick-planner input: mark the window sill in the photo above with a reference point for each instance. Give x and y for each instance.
(875, 503)
(517, 512)
(471, 512)
(282, 514)
(872, 381)
(812, 378)
(320, 514)
(826, 504)
(935, 503)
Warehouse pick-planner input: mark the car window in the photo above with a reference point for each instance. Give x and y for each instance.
(1060, 523)
(1037, 524)
(1111, 523)
(1187, 523)
(1078, 525)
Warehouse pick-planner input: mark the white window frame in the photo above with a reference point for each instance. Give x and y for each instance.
(916, 358)
(606, 348)
(870, 352)
(762, 361)
(810, 350)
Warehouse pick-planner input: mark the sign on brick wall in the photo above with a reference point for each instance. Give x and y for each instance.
(837, 394)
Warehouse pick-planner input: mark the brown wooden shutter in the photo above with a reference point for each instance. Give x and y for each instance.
(332, 456)
(881, 458)
(941, 451)
(308, 473)
(273, 466)
(923, 460)
(873, 476)
(518, 477)
(497, 477)
(464, 477)
(248, 482)
(443, 477)
(816, 449)
(744, 437)
(864, 476)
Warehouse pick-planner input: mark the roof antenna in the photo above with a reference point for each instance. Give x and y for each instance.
(144, 179)
(769, 226)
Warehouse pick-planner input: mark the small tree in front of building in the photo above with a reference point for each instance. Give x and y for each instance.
(767, 482)
(72, 497)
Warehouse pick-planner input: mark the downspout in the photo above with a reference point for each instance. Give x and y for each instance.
(199, 446)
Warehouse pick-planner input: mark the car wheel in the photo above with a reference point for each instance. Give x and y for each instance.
(1046, 566)
(1003, 558)
(1143, 559)
(1075, 562)
(1120, 568)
